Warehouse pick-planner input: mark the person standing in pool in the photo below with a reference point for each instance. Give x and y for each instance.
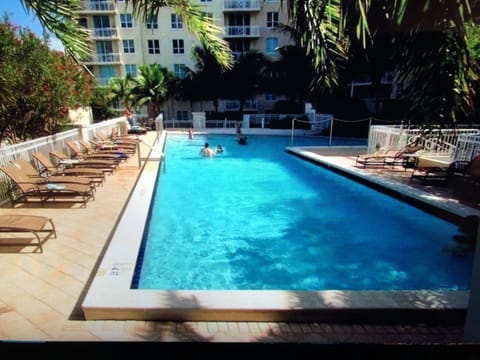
(242, 140)
(238, 131)
(190, 133)
(207, 151)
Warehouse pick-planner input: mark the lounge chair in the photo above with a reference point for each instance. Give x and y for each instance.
(79, 154)
(103, 142)
(132, 135)
(28, 169)
(21, 224)
(405, 157)
(380, 159)
(123, 141)
(25, 190)
(467, 185)
(439, 175)
(64, 160)
(45, 166)
(93, 147)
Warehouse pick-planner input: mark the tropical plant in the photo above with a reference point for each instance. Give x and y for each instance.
(430, 59)
(244, 80)
(203, 82)
(38, 85)
(120, 90)
(101, 104)
(291, 75)
(60, 17)
(151, 87)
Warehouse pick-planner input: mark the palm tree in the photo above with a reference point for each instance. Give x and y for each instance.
(151, 87)
(328, 28)
(60, 17)
(120, 90)
(203, 82)
(244, 80)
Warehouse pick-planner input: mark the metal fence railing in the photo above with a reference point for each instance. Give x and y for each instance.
(455, 143)
(468, 147)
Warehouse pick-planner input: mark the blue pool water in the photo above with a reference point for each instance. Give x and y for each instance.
(256, 217)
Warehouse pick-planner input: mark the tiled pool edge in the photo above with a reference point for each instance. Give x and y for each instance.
(110, 297)
(432, 204)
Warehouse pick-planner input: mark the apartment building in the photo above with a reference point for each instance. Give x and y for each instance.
(122, 42)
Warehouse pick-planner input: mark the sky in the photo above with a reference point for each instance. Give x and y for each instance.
(18, 16)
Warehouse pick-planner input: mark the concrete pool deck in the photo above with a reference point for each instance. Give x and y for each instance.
(41, 295)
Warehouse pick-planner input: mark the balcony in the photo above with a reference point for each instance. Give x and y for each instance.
(96, 7)
(241, 5)
(234, 105)
(242, 31)
(105, 33)
(99, 59)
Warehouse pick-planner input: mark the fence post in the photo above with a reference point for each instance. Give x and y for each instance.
(331, 132)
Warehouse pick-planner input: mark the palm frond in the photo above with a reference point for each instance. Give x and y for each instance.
(319, 24)
(198, 24)
(60, 17)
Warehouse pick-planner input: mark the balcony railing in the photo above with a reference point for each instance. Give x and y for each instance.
(242, 31)
(241, 5)
(104, 58)
(104, 33)
(102, 6)
(234, 105)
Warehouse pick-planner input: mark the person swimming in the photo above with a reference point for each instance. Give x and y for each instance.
(207, 151)
(219, 149)
(242, 140)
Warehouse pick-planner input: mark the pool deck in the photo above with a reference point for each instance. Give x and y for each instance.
(41, 293)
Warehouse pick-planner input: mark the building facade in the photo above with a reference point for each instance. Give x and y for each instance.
(122, 42)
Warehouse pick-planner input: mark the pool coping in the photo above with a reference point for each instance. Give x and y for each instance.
(110, 296)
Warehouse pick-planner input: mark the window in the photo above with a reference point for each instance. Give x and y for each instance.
(100, 5)
(208, 15)
(107, 72)
(270, 97)
(101, 25)
(83, 22)
(272, 19)
(131, 69)
(152, 23)
(182, 115)
(179, 70)
(128, 46)
(240, 46)
(177, 22)
(153, 46)
(105, 51)
(100, 22)
(178, 47)
(271, 45)
(126, 21)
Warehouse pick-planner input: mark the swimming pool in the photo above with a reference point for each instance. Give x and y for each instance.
(110, 295)
(256, 217)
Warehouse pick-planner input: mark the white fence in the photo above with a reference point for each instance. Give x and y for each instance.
(455, 143)
(468, 146)
(56, 142)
